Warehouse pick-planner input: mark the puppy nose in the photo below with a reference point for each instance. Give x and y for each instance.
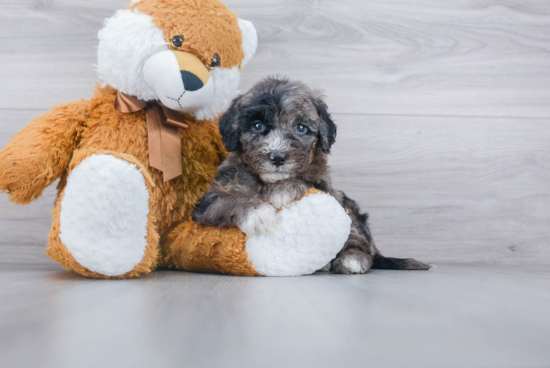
(191, 81)
(278, 158)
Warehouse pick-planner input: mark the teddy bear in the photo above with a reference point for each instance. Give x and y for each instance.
(134, 159)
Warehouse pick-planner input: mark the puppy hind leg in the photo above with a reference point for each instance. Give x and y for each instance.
(352, 261)
(355, 257)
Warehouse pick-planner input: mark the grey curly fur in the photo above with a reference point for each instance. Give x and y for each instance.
(248, 178)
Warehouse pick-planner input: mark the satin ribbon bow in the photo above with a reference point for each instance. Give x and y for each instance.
(163, 131)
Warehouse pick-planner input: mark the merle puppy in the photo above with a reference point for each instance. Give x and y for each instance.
(279, 135)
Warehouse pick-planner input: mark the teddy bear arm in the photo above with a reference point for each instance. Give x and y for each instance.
(40, 153)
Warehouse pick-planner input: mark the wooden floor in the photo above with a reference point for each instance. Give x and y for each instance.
(443, 110)
(452, 316)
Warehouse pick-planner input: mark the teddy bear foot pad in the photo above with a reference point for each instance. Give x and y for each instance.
(104, 214)
(309, 233)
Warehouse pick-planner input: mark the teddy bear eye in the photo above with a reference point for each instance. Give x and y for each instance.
(215, 62)
(178, 41)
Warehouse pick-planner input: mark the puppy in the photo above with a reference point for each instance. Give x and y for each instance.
(279, 135)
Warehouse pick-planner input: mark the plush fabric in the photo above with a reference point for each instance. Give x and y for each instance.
(115, 216)
(108, 150)
(196, 25)
(128, 39)
(310, 232)
(42, 151)
(250, 40)
(198, 248)
(133, 35)
(36, 156)
(104, 213)
(59, 252)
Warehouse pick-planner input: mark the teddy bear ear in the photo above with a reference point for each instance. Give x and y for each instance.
(250, 40)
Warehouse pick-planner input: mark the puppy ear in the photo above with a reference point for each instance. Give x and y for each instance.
(327, 131)
(229, 129)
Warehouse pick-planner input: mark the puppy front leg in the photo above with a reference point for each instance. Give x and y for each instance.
(284, 192)
(259, 219)
(252, 216)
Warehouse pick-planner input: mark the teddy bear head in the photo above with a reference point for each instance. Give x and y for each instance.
(187, 54)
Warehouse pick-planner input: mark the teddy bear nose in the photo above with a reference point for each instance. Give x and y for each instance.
(278, 158)
(190, 81)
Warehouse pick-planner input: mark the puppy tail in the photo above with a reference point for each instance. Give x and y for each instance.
(387, 263)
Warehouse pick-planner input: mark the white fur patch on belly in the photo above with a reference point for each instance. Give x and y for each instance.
(308, 235)
(104, 212)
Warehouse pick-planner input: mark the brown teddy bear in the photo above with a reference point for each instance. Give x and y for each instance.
(134, 159)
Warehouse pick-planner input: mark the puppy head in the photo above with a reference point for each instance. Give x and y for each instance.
(278, 127)
(185, 53)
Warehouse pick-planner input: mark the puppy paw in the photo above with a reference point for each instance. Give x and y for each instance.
(352, 263)
(284, 193)
(281, 199)
(259, 220)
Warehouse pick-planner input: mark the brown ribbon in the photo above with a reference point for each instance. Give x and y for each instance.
(163, 131)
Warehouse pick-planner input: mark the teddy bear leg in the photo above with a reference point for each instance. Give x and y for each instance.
(191, 247)
(309, 233)
(102, 224)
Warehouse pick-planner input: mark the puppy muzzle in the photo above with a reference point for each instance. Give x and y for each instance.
(278, 158)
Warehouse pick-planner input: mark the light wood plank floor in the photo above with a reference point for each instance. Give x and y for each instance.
(452, 316)
(444, 137)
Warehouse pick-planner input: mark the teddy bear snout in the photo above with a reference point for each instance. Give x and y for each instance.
(179, 80)
(190, 81)
(194, 73)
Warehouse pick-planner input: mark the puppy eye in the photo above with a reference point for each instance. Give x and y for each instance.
(178, 41)
(215, 62)
(258, 126)
(301, 129)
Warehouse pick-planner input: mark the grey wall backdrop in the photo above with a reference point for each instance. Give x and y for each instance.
(443, 111)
